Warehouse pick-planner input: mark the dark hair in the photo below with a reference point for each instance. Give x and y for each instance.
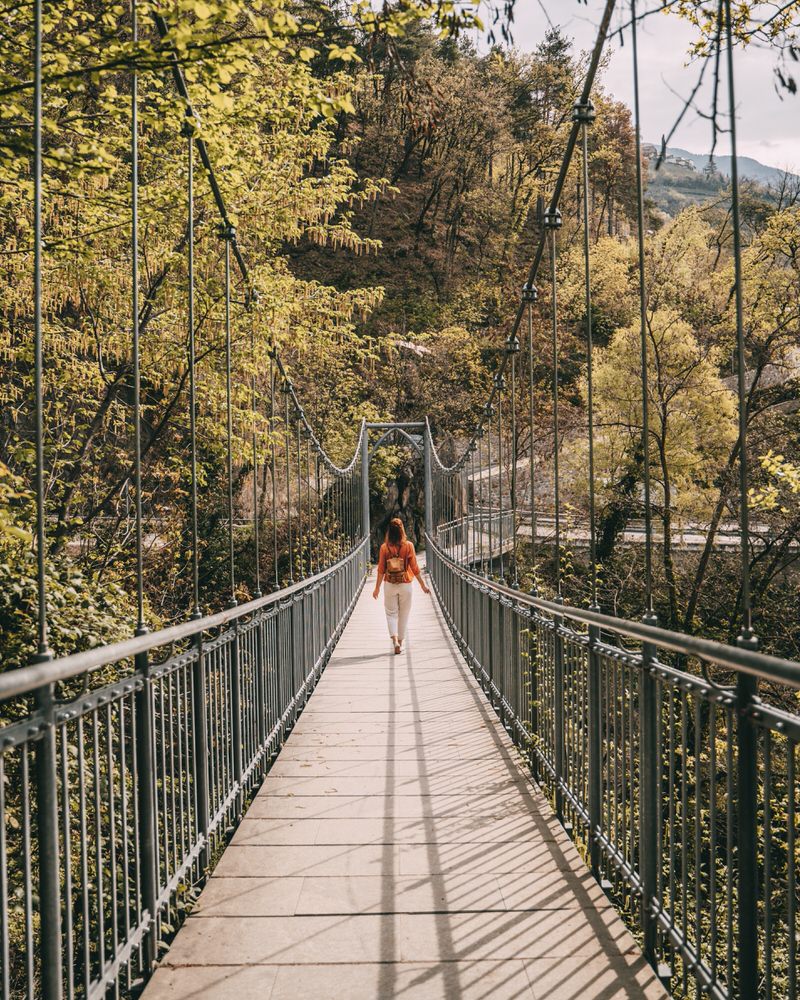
(396, 533)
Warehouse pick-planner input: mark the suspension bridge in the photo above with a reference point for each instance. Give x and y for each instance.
(536, 799)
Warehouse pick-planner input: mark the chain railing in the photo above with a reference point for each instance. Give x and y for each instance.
(636, 734)
(140, 758)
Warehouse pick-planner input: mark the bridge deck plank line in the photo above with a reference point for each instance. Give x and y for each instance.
(397, 849)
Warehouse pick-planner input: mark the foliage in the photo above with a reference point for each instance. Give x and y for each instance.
(691, 412)
(782, 486)
(83, 610)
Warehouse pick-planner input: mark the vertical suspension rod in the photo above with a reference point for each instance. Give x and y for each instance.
(137, 371)
(192, 374)
(744, 507)
(748, 833)
(513, 347)
(553, 222)
(287, 439)
(273, 468)
(584, 114)
(43, 648)
(648, 515)
(529, 293)
(500, 383)
(254, 404)
(228, 235)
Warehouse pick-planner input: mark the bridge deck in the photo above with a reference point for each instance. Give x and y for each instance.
(397, 849)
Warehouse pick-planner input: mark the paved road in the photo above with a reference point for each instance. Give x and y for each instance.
(397, 849)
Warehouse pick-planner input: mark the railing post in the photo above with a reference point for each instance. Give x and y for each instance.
(146, 832)
(501, 686)
(236, 715)
(595, 709)
(49, 850)
(558, 687)
(200, 748)
(533, 690)
(491, 644)
(292, 652)
(277, 669)
(649, 792)
(260, 685)
(365, 512)
(747, 836)
(428, 462)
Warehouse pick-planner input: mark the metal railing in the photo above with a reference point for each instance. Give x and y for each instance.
(659, 768)
(477, 537)
(123, 770)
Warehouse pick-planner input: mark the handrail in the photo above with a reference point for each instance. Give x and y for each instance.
(28, 679)
(647, 767)
(761, 665)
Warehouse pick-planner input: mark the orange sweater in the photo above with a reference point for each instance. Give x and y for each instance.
(406, 550)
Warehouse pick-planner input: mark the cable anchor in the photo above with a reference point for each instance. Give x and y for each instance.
(552, 219)
(584, 114)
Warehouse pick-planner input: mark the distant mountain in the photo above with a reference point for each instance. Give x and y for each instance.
(684, 178)
(748, 167)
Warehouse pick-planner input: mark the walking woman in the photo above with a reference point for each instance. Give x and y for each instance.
(397, 565)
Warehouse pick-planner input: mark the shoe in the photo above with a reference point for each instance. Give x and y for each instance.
(397, 646)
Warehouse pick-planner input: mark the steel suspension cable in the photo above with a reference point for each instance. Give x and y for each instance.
(250, 293)
(586, 92)
(480, 498)
(300, 540)
(273, 469)
(308, 499)
(747, 736)
(747, 635)
(43, 649)
(228, 234)
(530, 294)
(287, 438)
(470, 515)
(141, 628)
(529, 288)
(584, 114)
(500, 382)
(553, 222)
(644, 367)
(195, 612)
(513, 348)
(319, 519)
(489, 415)
(254, 404)
(463, 506)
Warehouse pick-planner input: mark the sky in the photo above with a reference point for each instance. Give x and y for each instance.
(769, 127)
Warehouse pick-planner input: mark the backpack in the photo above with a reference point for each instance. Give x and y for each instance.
(395, 567)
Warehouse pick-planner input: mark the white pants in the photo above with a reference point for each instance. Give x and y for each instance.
(397, 603)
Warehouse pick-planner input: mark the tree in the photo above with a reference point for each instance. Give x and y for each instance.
(691, 423)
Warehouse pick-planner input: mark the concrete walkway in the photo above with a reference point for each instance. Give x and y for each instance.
(398, 850)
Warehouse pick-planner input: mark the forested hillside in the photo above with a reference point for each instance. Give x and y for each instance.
(385, 187)
(467, 144)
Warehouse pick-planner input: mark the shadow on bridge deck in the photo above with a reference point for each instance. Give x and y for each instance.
(398, 849)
